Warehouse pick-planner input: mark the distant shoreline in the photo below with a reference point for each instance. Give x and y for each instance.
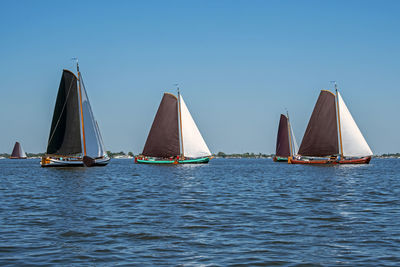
(130, 155)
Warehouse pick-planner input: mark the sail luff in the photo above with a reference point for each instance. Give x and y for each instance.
(296, 147)
(290, 136)
(321, 136)
(340, 128)
(81, 108)
(180, 125)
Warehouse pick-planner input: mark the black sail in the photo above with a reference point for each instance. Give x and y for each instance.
(163, 139)
(321, 136)
(65, 135)
(282, 139)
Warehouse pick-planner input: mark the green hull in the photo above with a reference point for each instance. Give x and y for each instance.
(280, 159)
(186, 161)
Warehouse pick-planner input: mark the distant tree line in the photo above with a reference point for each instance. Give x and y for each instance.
(388, 155)
(119, 154)
(241, 155)
(218, 155)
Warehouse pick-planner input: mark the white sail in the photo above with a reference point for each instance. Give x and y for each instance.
(94, 147)
(353, 142)
(194, 145)
(295, 146)
(22, 152)
(102, 147)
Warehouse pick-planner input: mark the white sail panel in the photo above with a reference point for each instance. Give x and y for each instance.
(102, 147)
(194, 145)
(93, 144)
(295, 146)
(353, 142)
(22, 152)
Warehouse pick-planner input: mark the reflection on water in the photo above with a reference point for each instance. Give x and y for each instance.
(230, 211)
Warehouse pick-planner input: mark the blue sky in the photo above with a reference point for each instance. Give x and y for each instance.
(239, 65)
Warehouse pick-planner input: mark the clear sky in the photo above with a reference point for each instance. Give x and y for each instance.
(239, 65)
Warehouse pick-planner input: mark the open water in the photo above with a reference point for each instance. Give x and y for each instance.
(229, 212)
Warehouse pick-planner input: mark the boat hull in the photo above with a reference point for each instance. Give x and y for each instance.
(280, 159)
(54, 162)
(186, 161)
(364, 160)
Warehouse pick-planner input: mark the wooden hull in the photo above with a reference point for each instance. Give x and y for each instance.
(167, 161)
(58, 162)
(17, 158)
(364, 160)
(280, 159)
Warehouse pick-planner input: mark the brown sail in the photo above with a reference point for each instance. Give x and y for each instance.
(163, 139)
(18, 152)
(282, 139)
(321, 136)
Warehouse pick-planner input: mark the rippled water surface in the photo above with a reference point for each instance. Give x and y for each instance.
(228, 212)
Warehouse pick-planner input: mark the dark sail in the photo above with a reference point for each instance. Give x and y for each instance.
(163, 139)
(321, 136)
(18, 152)
(65, 135)
(282, 139)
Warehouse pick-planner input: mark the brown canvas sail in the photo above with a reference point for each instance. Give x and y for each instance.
(163, 139)
(282, 139)
(321, 136)
(18, 152)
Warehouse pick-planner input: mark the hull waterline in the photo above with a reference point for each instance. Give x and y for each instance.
(174, 162)
(364, 160)
(52, 162)
(280, 159)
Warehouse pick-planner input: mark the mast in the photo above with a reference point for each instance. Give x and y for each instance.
(80, 102)
(180, 122)
(338, 115)
(289, 134)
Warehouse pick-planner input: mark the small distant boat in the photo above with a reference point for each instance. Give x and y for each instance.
(74, 138)
(174, 137)
(332, 136)
(286, 145)
(18, 152)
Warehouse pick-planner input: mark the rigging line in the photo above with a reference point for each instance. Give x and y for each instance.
(62, 111)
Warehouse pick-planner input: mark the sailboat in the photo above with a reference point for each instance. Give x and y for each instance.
(174, 137)
(286, 145)
(18, 152)
(332, 136)
(74, 138)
